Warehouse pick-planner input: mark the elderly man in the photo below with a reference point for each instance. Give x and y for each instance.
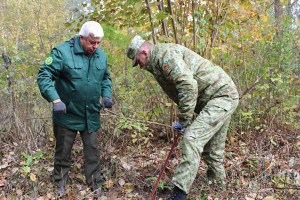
(195, 85)
(79, 69)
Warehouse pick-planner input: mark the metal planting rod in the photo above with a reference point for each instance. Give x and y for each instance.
(164, 167)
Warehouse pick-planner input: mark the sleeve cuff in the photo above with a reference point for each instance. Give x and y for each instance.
(183, 121)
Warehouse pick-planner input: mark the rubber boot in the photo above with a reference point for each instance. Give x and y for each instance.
(177, 194)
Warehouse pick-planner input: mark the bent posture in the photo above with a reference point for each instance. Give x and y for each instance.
(195, 85)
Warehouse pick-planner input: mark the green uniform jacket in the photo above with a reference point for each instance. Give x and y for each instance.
(79, 83)
(189, 80)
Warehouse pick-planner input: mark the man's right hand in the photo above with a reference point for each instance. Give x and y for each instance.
(179, 128)
(59, 107)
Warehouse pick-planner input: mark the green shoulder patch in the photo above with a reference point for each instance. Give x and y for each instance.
(167, 69)
(48, 60)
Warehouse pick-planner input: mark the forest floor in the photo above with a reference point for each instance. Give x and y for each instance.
(262, 167)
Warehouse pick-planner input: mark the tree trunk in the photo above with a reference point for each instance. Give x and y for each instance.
(278, 13)
(194, 25)
(163, 22)
(173, 21)
(152, 26)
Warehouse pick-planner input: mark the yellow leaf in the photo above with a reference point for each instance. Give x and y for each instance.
(77, 166)
(269, 198)
(284, 2)
(294, 106)
(255, 92)
(81, 177)
(128, 187)
(232, 139)
(32, 177)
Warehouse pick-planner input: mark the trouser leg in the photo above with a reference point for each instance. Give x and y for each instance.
(213, 154)
(209, 121)
(62, 159)
(91, 156)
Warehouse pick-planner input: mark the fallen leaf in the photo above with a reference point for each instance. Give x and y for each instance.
(128, 187)
(81, 177)
(108, 184)
(14, 170)
(243, 180)
(41, 198)
(49, 169)
(4, 165)
(2, 183)
(232, 139)
(269, 198)
(32, 177)
(125, 165)
(252, 195)
(77, 166)
(114, 195)
(121, 182)
(19, 193)
(82, 193)
(49, 196)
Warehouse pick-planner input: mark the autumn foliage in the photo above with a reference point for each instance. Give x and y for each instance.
(255, 42)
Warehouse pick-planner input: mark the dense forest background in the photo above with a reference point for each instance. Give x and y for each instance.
(256, 42)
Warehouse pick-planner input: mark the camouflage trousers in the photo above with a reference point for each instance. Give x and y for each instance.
(205, 137)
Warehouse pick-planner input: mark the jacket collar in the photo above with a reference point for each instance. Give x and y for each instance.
(78, 48)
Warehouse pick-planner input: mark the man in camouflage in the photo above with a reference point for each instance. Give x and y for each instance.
(195, 85)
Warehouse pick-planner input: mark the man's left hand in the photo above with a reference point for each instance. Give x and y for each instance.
(179, 128)
(106, 102)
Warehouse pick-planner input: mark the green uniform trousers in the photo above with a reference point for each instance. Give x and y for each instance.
(62, 159)
(205, 137)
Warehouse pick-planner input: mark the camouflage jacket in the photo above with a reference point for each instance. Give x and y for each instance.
(188, 79)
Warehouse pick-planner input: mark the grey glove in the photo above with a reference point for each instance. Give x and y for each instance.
(59, 108)
(106, 102)
(179, 128)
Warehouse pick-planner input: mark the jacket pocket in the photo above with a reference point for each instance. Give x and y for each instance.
(99, 72)
(75, 109)
(95, 105)
(73, 70)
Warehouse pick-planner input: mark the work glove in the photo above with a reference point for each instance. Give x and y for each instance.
(106, 102)
(179, 128)
(59, 107)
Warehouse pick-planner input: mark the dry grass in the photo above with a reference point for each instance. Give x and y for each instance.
(258, 164)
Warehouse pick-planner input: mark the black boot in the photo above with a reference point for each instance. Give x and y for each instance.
(177, 194)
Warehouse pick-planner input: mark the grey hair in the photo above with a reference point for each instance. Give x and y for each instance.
(91, 27)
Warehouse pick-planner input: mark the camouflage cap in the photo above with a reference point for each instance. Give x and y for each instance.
(133, 48)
